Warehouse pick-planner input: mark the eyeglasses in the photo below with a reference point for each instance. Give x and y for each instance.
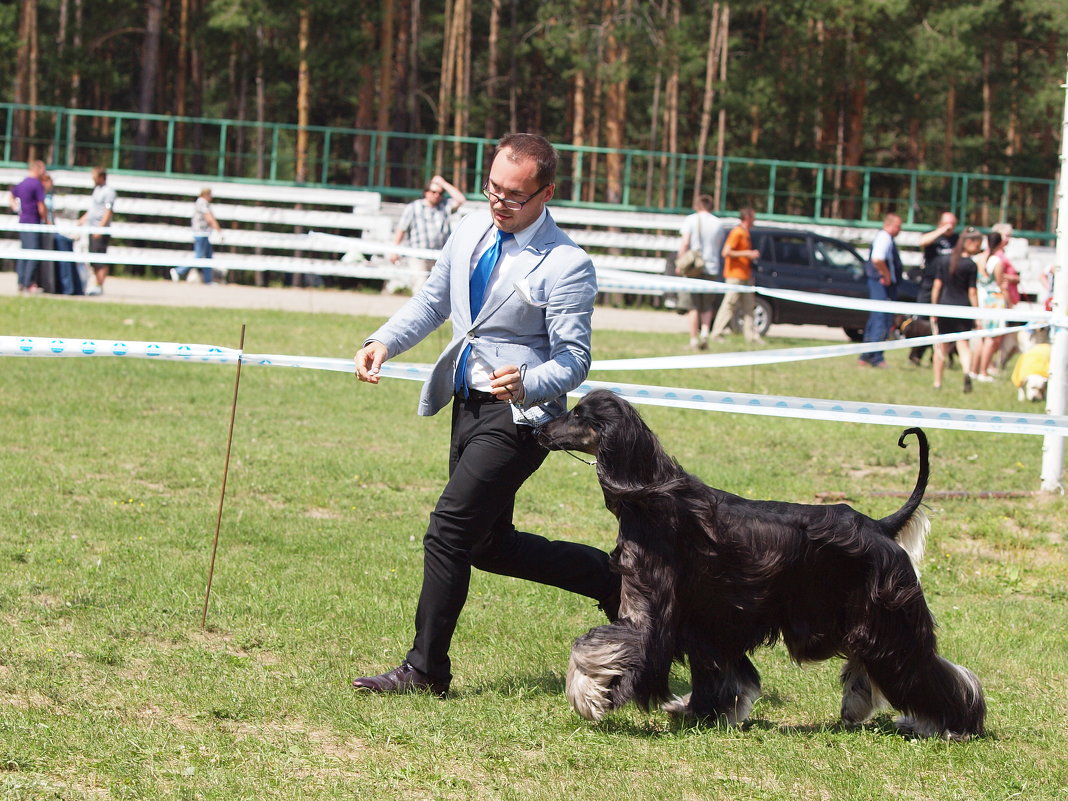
(508, 203)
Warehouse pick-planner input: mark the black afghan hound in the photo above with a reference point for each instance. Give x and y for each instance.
(709, 576)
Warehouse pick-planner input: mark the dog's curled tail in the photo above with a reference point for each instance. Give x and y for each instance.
(909, 525)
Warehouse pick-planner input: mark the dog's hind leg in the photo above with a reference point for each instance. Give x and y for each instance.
(938, 699)
(860, 697)
(727, 694)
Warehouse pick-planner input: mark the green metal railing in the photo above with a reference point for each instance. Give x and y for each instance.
(398, 164)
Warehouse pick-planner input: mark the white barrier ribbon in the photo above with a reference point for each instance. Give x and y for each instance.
(57, 347)
(782, 355)
(701, 399)
(907, 307)
(836, 410)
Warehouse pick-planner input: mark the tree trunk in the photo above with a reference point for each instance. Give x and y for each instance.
(75, 85)
(594, 130)
(303, 93)
(513, 70)
(461, 113)
(951, 112)
(403, 92)
(492, 76)
(385, 70)
(413, 66)
(181, 69)
(711, 62)
(445, 85)
(258, 276)
(303, 110)
(666, 193)
(365, 102)
(26, 70)
(578, 130)
(149, 70)
(721, 131)
(854, 143)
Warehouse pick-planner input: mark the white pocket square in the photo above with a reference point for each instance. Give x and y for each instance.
(522, 287)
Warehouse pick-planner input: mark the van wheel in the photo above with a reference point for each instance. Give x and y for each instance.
(763, 315)
(854, 334)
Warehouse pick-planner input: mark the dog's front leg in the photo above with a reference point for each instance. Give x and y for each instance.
(727, 694)
(601, 669)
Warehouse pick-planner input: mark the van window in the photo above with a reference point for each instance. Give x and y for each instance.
(791, 250)
(835, 257)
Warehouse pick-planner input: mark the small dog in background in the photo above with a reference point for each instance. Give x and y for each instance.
(709, 576)
(1031, 373)
(910, 326)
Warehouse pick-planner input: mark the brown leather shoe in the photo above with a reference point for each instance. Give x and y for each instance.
(402, 679)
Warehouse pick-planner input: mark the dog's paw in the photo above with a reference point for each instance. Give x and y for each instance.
(678, 706)
(909, 726)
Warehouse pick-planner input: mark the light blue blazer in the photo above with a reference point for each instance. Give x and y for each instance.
(540, 318)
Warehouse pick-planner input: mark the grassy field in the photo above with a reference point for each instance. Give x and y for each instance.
(110, 689)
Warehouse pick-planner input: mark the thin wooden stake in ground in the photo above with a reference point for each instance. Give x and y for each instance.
(226, 472)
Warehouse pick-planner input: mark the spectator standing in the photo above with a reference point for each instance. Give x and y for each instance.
(883, 269)
(990, 286)
(520, 296)
(47, 271)
(68, 280)
(1011, 274)
(738, 255)
(426, 223)
(955, 285)
(700, 232)
(28, 201)
(938, 242)
(101, 211)
(204, 223)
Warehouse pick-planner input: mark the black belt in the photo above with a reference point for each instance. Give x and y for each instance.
(478, 396)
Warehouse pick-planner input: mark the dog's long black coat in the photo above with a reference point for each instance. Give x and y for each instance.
(709, 576)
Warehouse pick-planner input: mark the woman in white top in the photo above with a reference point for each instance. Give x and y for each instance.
(990, 281)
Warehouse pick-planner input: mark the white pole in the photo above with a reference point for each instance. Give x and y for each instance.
(1057, 388)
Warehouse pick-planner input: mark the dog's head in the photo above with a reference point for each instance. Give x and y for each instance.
(588, 425)
(1035, 387)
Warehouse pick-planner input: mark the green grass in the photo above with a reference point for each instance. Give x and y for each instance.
(109, 689)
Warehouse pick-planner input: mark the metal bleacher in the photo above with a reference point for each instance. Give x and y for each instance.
(325, 230)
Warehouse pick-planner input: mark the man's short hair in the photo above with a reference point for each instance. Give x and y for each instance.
(534, 147)
(748, 213)
(704, 203)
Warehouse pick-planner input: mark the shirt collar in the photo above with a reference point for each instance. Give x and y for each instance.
(522, 238)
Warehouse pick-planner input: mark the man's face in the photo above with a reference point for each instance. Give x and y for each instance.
(432, 195)
(893, 226)
(100, 178)
(516, 180)
(948, 219)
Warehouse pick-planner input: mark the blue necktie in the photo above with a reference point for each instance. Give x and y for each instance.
(479, 279)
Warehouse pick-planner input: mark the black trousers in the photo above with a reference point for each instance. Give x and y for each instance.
(471, 525)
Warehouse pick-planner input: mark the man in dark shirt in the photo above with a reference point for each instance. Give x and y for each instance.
(939, 242)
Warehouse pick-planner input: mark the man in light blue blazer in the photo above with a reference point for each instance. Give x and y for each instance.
(520, 297)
